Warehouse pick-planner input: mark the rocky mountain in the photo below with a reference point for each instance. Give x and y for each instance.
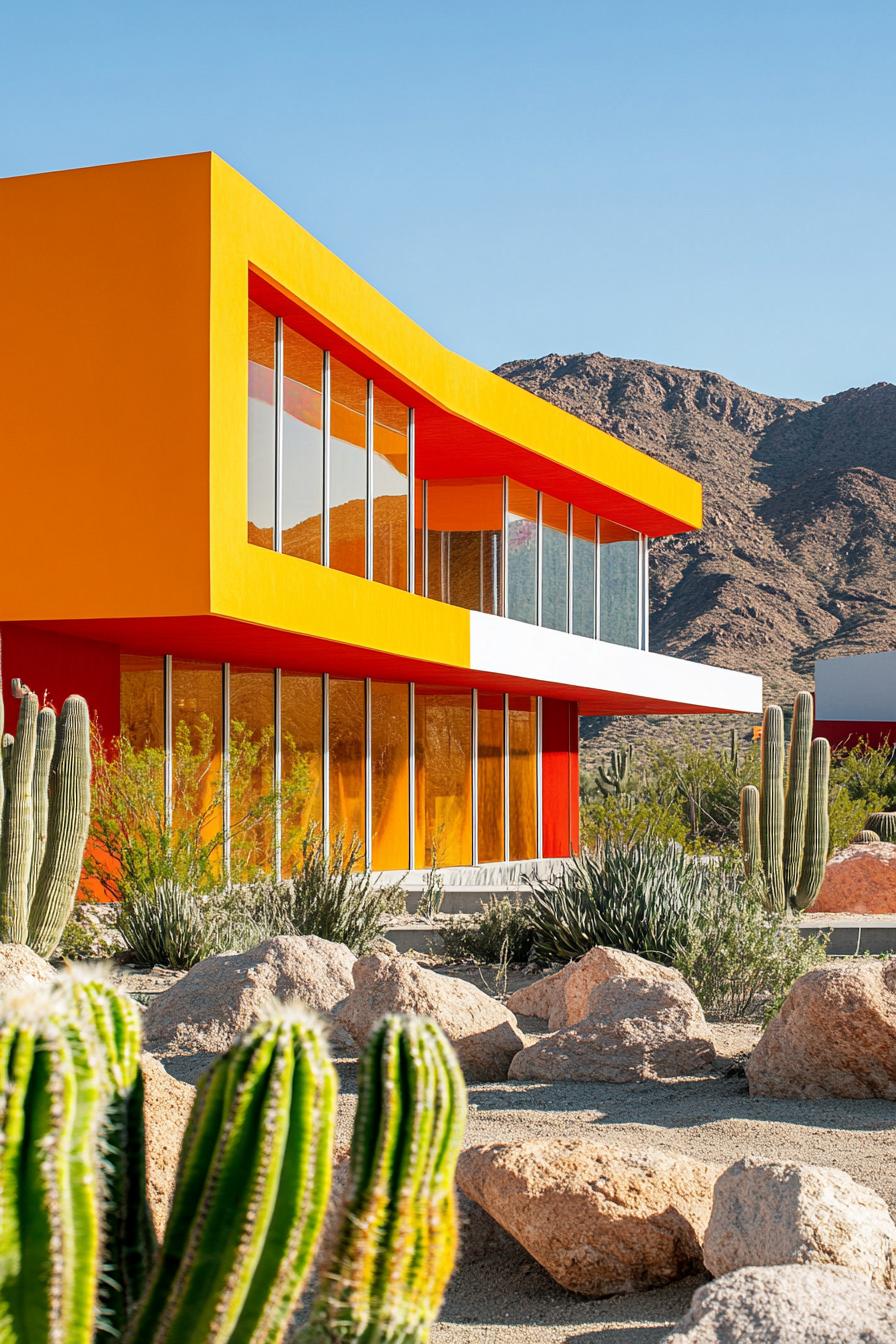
(797, 556)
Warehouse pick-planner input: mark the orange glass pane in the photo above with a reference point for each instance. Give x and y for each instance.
(465, 529)
(490, 777)
(262, 329)
(303, 447)
(197, 705)
(301, 763)
(348, 469)
(419, 576)
(390, 490)
(390, 805)
(443, 746)
(347, 759)
(251, 752)
(142, 699)
(522, 731)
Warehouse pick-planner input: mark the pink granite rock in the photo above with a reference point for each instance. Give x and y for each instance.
(860, 880)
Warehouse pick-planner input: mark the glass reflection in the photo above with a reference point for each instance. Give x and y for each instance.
(619, 584)
(490, 776)
(522, 552)
(346, 756)
(522, 730)
(301, 763)
(554, 562)
(443, 747)
(465, 536)
(251, 764)
(262, 339)
(303, 447)
(390, 775)
(584, 559)
(390, 490)
(348, 469)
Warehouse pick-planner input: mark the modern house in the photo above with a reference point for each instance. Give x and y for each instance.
(855, 699)
(248, 500)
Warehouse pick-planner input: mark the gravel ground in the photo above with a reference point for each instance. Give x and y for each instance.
(498, 1295)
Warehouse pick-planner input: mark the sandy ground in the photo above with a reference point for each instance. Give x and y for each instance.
(499, 1295)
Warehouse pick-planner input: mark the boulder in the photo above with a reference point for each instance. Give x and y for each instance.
(788, 1304)
(635, 1030)
(166, 1110)
(20, 968)
(859, 880)
(483, 1032)
(222, 996)
(790, 1213)
(563, 998)
(600, 1220)
(835, 1036)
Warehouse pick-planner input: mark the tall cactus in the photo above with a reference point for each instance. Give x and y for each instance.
(784, 830)
(395, 1248)
(614, 775)
(44, 819)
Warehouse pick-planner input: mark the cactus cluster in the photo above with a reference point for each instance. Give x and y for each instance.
(44, 819)
(78, 1260)
(784, 824)
(883, 824)
(614, 776)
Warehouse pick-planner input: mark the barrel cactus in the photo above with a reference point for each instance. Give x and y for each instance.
(78, 1262)
(44, 819)
(883, 824)
(784, 824)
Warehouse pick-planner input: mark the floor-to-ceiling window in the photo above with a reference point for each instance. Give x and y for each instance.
(490, 776)
(197, 726)
(347, 751)
(303, 448)
(301, 763)
(522, 552)
(389, 775)
(142, 701)
(554, 563)
(465, 532)
(390, 490)
(584, 575)
(443, 756)
(348, 469)
(620, 568)
(250, 758)
(522, 734)
(261, 442)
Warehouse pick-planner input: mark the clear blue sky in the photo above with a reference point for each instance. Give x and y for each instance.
(709, 184)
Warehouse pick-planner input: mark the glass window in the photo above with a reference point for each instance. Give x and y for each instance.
(303, 447)
(619, 568)
(390, 490)
(390, 803)
(584, 559)
(301, 763)
(522, 552)
(522, 729)
(251, 753)
(348, 469)
(464, 520)
(554, 562)
(142, 701)
(443, 747)
(262, 333)
(197, 712)
(419, 576)
(347, 752)
(490, 776)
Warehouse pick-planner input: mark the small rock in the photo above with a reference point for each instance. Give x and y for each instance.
(21, 968)
(600, 1220)
(166, 1110)
(861, 880)
(635, 1030)
(483, 1032)
(224, 995)
(789, 1213)
(788, 1304)
(835, 1036)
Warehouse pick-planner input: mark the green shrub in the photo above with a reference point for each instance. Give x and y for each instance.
(501, 934)
(740, 958)
(640, 898)
(624, 819)
(168, 926)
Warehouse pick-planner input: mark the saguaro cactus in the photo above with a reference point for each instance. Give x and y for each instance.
(614, 775)
(44, 819)
(784, 825)
(395, 1248)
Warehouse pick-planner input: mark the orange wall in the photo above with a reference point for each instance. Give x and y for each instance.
(105, 390)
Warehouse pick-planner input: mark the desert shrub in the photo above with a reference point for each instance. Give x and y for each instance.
(166, 925)
(640, 898)
(328, 894)
(501, 933)
(626, 819)
(740, 958)
(703, 787)
(866, 773)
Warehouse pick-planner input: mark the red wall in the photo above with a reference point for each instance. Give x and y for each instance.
(560, 778)
(56, 666)
(847, 732)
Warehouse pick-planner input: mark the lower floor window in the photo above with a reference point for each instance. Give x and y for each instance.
(412, 775)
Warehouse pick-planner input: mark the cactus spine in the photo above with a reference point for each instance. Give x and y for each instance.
(867, 837)
(884, 826)
(44, 820)
(395, 1248)
(613, 776)
(786, 830)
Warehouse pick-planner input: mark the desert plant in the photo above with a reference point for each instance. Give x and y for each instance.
(44, 819)
(640, 898)
(739, 957)
(502, 933)
(627, 819)
(784, 825)
(395, 1248)
(867, 838)
(614, 775)
(252, 1184)
(168, 926)
(884, 826)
